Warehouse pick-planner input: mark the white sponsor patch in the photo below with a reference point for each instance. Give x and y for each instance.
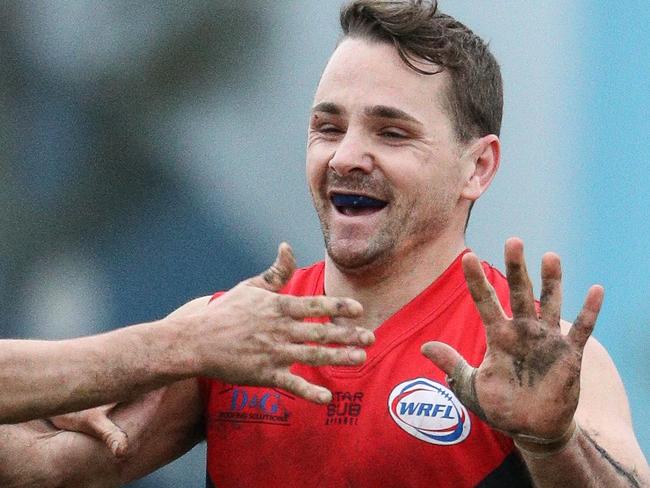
(429, 411)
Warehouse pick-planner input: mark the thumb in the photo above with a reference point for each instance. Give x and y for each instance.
(461, 377)
(442, 355)
(95, 423)
(114, 437)
(274, 278)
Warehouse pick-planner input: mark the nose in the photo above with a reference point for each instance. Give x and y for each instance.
(352, 154)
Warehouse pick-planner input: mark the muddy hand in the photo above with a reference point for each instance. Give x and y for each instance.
(528, 384)
(261, 333)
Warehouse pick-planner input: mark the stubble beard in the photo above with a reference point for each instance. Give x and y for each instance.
(379, 246)
(398, 235)
(377, 251)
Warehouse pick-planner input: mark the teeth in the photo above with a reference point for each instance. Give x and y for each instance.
(356, 201)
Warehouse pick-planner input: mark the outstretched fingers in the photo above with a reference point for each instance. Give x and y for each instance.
(586, 321)
(321, 355)
(522, 300)
(274, 278)
(551, 296)
(329, 333)
(481, 290)
(302, 388)
(313, 356)
(318, 306)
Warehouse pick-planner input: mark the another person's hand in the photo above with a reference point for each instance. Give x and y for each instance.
(95, 423)
(528, 384)
(252, 335)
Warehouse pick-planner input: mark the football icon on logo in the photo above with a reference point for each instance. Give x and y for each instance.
(429, 411)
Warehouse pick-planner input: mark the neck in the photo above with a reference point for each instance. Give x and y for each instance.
(384, 288)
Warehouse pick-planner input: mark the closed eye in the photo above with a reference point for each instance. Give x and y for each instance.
(393, 134)
(328, 129)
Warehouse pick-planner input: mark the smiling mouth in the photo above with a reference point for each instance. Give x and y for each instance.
(353, 205)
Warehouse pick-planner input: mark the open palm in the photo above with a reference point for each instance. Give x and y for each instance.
(528, 384)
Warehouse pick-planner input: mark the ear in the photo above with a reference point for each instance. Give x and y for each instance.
(482, 164)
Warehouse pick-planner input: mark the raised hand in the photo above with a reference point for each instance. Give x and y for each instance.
(528, 384)
(252, 335)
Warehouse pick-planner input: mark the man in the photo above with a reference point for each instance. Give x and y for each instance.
(403, 139)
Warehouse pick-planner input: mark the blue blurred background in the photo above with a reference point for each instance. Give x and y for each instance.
(154, 152)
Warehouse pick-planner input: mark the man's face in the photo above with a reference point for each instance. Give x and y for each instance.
(382, 158)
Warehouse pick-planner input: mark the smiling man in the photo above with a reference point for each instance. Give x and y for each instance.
(470, 381)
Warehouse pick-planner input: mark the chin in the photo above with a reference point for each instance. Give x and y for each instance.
(356, 257)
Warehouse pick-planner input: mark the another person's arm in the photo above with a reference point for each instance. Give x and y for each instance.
(250, 335)
(545, 383)
(161, 426)
(252, 326)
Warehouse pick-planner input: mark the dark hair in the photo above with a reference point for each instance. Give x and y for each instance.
(419, 31)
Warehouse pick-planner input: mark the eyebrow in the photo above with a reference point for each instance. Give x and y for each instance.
(377, 111)
(385, 112)
(328, 108)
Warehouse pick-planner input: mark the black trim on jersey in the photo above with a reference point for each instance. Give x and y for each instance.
(512, 473)
(208, 481)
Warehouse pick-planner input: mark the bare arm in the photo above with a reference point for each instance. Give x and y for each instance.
(44, 378)
(161, 426)
(250, 335)
(554, 391)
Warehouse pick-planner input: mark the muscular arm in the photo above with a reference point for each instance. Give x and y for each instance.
(250, 335)
(162, 425)
(45, 378)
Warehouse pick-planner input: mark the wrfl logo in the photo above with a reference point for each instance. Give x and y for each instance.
(429, 411)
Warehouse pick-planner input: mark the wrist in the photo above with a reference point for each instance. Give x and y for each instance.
(176, 356)
(538, 447)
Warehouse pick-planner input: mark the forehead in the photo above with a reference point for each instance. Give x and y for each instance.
(364, 73)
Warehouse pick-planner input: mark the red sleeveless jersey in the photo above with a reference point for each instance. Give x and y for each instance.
(393, 422)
